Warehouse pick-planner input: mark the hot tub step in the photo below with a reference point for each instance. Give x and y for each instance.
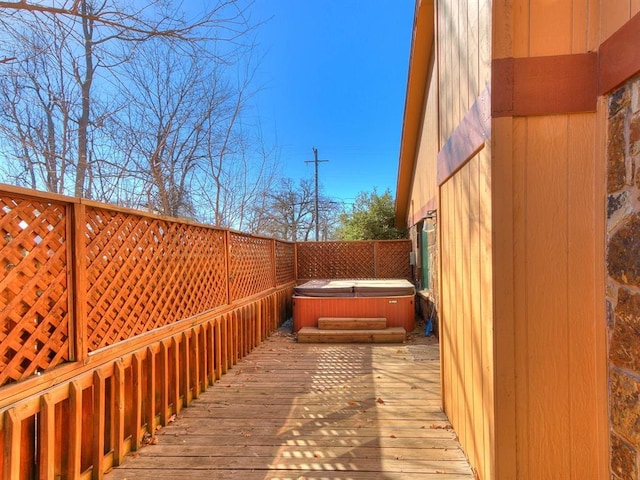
(351, 323)
(387, 335)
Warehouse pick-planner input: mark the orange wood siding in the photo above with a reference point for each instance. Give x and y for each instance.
(522, 305)
(614, 14)
(424, 189)
(548, 227)
(463, 48)
(467, 310)
(463, 45)
(549, 300)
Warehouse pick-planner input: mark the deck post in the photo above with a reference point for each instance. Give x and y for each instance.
(119, 412)
(47, 438)
(12, 444)
(77, 288)
(98, 424)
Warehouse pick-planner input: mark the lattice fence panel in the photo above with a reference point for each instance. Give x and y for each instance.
(250, 265)
(392, 259)
(285, 266)
(144, 273)
(336, 260)
(34, 315)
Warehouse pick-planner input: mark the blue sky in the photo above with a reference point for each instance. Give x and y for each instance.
(334, 76)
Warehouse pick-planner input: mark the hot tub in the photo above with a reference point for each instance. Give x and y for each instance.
(389, 298)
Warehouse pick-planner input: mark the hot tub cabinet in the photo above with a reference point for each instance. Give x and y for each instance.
(391, 299)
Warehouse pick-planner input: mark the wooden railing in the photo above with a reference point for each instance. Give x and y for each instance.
(112, 320)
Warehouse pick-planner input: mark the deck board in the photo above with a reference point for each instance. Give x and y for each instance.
(312, 411)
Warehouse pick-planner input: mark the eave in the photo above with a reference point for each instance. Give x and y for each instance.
(421, 49)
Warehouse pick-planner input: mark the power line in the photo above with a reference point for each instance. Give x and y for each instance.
(316, 161)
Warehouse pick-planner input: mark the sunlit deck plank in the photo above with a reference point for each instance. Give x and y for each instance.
(304, 411)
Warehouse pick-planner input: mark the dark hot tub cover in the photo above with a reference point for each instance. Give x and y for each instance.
(356, 288)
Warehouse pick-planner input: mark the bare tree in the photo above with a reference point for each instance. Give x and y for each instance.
(288, 212)
(169, 100)
(39, 99)
(92, 40)
(237, 177)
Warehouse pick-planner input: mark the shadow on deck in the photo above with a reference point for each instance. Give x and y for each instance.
(301, 411)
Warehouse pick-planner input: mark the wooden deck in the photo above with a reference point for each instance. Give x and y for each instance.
(304, 411)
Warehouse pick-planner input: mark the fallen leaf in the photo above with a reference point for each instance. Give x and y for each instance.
(440, 427)
(392, 436)
(379, 400)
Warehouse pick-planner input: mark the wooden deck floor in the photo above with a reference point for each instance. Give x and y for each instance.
(311, 412)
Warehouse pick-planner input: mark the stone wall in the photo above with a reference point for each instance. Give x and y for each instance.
(623, 282)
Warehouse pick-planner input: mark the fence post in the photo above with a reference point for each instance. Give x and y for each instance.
(295, 261)
(227, 254)
(375, 259)
(77, 287)
(274, 262)
(12, 444)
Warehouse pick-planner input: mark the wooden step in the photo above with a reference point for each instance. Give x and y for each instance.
(387, 335)
(351, 323)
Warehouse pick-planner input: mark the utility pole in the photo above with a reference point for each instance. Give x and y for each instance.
(316, 161)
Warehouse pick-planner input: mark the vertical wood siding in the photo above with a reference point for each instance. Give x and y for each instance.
(549, 300)
(467, 311)
(548, 203)
(615, 13)
(463, 33)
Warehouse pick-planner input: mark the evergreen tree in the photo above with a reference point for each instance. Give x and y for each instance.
(371, 218)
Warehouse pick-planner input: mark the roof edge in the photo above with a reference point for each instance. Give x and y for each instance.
(421, 49)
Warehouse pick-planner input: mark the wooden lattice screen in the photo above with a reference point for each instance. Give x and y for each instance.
(129, 273)
(251, 269)
(285, 262)
(34, 310)
(144, 273)
(365, 259)
(392, 259)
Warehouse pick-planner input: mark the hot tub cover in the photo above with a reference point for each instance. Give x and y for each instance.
(356, 288)
(325, 288)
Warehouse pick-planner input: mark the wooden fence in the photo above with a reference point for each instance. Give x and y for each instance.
(112, 321)
(361, 259)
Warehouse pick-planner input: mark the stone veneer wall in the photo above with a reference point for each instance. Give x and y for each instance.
(623, 281)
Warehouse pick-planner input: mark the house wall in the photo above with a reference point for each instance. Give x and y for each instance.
(548, 297)
(623, 281)
(467, 310)
(522, 225)
(548, 224)
(424, 189)
(614, 14)
(424, 199)
(463, 35)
